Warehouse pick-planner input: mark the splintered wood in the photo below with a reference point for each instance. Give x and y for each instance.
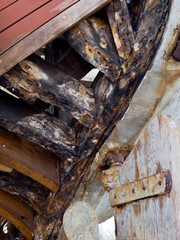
(83, 117)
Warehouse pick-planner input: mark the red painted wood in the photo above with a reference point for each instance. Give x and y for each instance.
(18, 10)
(21, 29)
(5, 3)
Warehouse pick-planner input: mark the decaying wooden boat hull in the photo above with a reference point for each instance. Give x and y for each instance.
(58, 134)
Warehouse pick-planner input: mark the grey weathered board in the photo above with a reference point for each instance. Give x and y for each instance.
(157, 217)
(80, 222)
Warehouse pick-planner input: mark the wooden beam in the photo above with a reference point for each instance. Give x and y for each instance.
(92, 39)
(29, 159)
(116, 103)
(5, 168)
(122, 31)
(67, 19)
(26, 188)
(18, 213)
(37, 126)
(35, 78)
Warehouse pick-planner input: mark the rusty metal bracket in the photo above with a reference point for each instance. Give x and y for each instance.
(154, 185)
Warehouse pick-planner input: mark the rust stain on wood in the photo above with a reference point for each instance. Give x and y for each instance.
(136, 164)
(137, 209)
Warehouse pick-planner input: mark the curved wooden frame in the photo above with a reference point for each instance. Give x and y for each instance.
(29, 159)
(18, 213)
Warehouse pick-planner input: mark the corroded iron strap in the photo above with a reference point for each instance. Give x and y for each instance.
(154, 185)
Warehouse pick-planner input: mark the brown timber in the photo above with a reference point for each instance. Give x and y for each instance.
(18, 213)
(29, 159)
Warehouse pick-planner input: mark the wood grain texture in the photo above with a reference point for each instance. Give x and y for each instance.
(18, 10)
(122, 31)
(31, 22)
(92, 39)
(40, 37)
(35, 194)
(156, 217)
(18, 213)
(5, 168)
(34, 78)
(113, 110)
(29, 159)
(81, 216)
(37, 126)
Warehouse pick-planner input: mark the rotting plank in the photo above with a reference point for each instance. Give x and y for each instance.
(92, 39)
(34, 124)
(18, 213)
(122, 31)
(29, 159)
(35, 78)
(40, 37)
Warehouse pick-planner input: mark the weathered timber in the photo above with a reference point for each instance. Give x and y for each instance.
(102, 87)
(154, 217)
(25, 188)
(34, 78)
(37, 126)
(81, 216)
(67, 18)
(29, 159)
(121, 27)
(135, 8)
(148, 37)
(92, 39)
(18, 213)
(149, 34)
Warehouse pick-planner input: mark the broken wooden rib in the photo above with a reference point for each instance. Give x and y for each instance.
(116, 103)
(92, 39)
(37, 126)
(122, 31)
(140, 59)
(18, 213)
(68, 18)
(34, 78)
(29, 159)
